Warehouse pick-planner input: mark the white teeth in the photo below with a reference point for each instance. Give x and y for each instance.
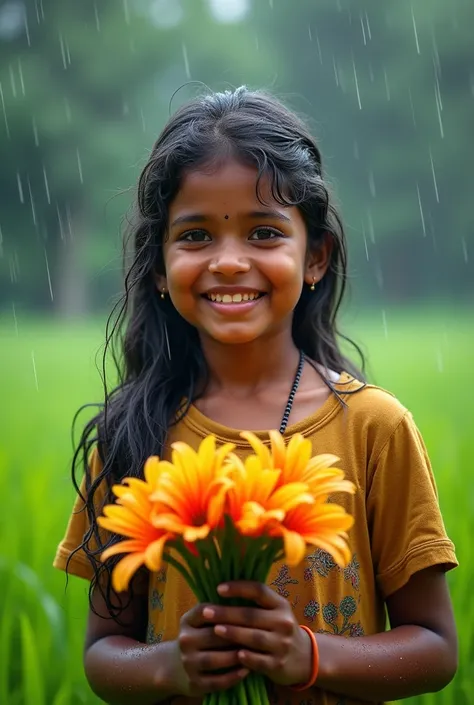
(233, 298)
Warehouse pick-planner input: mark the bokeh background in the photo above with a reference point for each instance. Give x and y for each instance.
(85, 88)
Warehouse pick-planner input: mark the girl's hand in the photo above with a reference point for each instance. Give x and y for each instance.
(201, 652)
(270, 639)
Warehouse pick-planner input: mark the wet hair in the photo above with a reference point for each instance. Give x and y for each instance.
(157, 353)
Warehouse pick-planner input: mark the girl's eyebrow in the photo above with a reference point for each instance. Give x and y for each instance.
(201, 218)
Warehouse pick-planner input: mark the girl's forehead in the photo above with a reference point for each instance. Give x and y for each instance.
(223, 185)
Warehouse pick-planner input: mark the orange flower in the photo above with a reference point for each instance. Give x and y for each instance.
(191, 491)
(131, 517)
(321, 524)
(255, 499)
(296, 464)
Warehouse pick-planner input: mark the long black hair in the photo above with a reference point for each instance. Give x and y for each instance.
(157, 354)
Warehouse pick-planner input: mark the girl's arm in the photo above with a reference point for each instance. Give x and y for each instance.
(418, 655)
(119, 666)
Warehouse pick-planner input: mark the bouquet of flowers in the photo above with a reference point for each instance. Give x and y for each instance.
(217, 518)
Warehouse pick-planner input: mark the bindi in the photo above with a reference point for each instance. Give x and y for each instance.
(226, 217)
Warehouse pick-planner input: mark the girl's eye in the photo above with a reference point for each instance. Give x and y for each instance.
(265, 234)
(195, 236)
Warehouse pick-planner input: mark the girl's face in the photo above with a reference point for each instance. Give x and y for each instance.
(235, 268)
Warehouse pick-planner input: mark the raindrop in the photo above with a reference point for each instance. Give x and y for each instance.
(464, 250)
(79, 166)
(49, 275)
(356, 83)
(356, 150)
(2, 253)
(37, 12)
(369, 32)
(68, 53)
(434, 176)
(20, 187)
(270, 2)
(363, 29)
(142, 115)
(7, 129)
(439, 361)
(420, 205)
(387, 87)
(20, 71)
(69, 221)
(186, 61)
(371, 73)
(126, 11)
(27, 31)
(15, 318)
(436, 59)
(46, 186)
(12, 80)
(35, 131)
(309, 33)
(371, 226)
(257, 46)
(365, 243)
(415, 29)
(61, 229)
(34, 369)
(63, 50)
(320, 53)
(384, 322)
(336, 76)
(13, 270)
(96, 15)
(32, 203)
(439, 108)
(372, 184)
(42, 9)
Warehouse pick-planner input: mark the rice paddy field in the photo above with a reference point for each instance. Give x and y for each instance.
(47, 370)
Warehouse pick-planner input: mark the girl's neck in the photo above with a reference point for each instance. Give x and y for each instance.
(245, 369)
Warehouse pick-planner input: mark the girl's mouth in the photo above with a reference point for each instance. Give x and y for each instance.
(237, 298)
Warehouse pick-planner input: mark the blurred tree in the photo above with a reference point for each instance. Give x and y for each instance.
(390, 89)
(85, 89)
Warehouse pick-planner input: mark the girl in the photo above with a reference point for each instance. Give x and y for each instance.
(238, 271)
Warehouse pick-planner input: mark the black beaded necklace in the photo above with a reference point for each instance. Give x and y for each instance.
(291, 398)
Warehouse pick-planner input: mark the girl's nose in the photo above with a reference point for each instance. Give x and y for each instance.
(229, 260)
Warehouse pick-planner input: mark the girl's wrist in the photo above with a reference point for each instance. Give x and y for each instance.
(309, 660)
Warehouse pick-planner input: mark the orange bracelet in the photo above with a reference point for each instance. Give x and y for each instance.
(315, 664)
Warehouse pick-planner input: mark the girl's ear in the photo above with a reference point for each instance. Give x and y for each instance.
(160, 282)
(317, 261)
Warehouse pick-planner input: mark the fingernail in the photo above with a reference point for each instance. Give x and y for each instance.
(208, 613)
(220, 630)
(222, 589)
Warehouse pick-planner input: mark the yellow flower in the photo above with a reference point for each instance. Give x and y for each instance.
(131, 517)
(255, 500)
(191, 491)
(295, 463)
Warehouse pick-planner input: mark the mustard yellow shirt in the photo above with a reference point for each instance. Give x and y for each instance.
(398, 527)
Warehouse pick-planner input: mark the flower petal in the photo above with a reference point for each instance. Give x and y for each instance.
(124, 570)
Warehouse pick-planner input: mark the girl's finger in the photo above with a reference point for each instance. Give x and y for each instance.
(254, 639)
(261, 663)
(215, 660)
(251, 590)
(210, 684)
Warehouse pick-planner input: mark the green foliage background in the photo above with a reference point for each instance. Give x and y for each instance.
(85, 88)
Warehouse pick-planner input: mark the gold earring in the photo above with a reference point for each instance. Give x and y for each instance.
(313, 285)
(163, 291)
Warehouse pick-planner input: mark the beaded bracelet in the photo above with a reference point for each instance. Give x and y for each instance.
(315, 663)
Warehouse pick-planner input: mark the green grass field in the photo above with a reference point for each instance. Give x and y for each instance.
(47, 370)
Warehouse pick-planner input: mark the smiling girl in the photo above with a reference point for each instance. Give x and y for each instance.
(230, 307)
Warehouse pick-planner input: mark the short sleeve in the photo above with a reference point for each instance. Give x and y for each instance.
(407, 531)
(77, 527)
